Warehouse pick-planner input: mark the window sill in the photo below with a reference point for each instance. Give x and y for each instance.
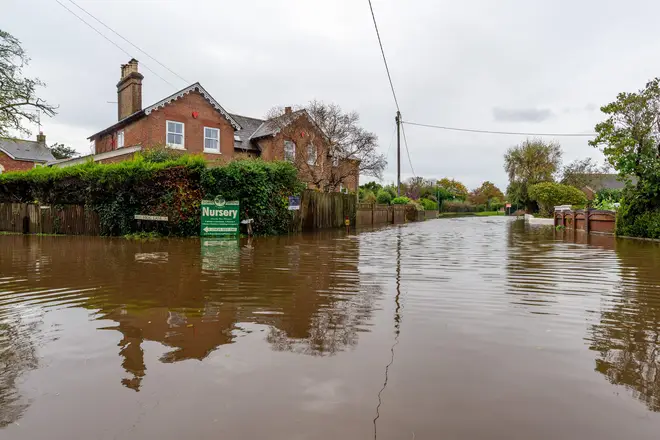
(176, 147)
(212, 152)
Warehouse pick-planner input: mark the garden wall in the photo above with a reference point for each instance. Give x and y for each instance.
(587, 220)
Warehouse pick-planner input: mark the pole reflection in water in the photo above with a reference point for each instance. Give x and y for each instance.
(397, 327)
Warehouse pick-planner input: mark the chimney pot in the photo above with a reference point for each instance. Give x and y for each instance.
(129, 90)
(41, 138)
(287, 110)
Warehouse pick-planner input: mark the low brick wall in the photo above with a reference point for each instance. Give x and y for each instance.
(589, 220)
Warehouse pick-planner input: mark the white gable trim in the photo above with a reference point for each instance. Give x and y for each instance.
(7, 153)
(197, 87)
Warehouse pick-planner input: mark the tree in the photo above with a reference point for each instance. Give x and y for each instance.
(349, 148)
(18, 100)
(372, 186)
(533, 161)
(456, 188)
(61, 151)
(579, 173)
(630, 136)
(550, 194)
(418, 187)
(485, 193)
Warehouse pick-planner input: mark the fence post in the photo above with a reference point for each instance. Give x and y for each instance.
(586, 220)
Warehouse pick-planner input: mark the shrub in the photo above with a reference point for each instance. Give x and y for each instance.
(172, 188)
(458, 206)
(384, 197)
(367, 196)
(550, 194)
(429, 205)
(633, 221)
(400, 201)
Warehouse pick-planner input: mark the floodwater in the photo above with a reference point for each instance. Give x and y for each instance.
(468, 328)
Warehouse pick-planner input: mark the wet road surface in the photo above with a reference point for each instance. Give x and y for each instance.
(469, 328)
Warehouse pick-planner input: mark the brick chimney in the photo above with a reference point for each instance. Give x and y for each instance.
(41, 138)
(129, 90)
(287, 110)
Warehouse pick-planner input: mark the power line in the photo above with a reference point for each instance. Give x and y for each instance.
(391, 142)
(115, 44)
(382, 51)
(501, 132)
(129, 42)
(405, 141)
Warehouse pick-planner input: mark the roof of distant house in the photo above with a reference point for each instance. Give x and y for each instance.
(248, 127)
(272, 127)
(32, 151)
(606, 181)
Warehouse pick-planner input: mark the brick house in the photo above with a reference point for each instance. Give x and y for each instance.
(23, 155)
(192, 121)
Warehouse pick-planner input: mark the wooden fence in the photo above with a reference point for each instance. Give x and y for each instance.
(587, 220)
(369, 214)
(324, 211)
(35, 219)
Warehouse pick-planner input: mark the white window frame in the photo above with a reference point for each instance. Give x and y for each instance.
(120, 136)
(210, 150)
(293, 144)
(181, 146)
(2, 169)
(310, 160)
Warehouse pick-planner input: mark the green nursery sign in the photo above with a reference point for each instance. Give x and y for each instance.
(220, 217)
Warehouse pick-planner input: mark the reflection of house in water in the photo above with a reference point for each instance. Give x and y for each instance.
(306, 288)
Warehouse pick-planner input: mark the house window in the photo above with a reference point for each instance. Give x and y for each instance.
(120, 139)
(289, 151)
(212, 140)
(335, 161)
(175, 134)
(341, 187)
(1, 169)
(311, 154)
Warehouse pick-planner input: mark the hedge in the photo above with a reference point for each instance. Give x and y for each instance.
(550, 194)
(172, 188)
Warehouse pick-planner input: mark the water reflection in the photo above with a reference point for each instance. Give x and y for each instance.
(627, 338)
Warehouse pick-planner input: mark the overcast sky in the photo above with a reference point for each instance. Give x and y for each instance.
(514, 65)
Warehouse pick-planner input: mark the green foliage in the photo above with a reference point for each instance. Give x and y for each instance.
(400, 200)
(485, 193)
(458, 206)
(172, 188)
(367, 196)
(429, 205)
(496, 204)
(549, 194)
(631, 224)
(383, 197)
(372, 186)
(455, 188)
(607, 199)
(534, 161)
(580, 173)
(61, 151)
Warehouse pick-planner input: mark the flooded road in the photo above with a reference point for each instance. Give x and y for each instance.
(469, 328)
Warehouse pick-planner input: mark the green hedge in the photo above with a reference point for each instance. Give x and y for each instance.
(633, 221)
(172, 187)
(400, 201)
(429, 205)
(383, 197)
(550, 194)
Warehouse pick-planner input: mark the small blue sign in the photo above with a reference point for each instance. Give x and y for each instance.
(294, 203)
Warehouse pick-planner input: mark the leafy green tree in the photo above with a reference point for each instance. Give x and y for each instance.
(383, 197)
(550, 194)
(61, 151)
(454, 187)
(372, 186)
(18, 98)
(533, 161)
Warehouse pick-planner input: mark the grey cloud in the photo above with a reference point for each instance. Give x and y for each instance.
(521, 114)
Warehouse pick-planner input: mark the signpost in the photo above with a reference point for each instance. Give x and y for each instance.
(219, 217)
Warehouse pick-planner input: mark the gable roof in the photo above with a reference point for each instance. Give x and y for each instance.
(32, 151)
(605, 181)
(196, 87)
(270, 128)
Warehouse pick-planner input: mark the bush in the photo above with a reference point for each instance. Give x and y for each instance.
(633, 221)
(367, 196)
(429, 205)
(550, 194)
(400, 201)
(172, 188)
(384, 197)
(458, 206)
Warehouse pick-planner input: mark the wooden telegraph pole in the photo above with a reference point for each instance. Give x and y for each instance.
(398, 153)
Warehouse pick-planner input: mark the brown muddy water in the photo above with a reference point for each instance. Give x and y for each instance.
(470, 328)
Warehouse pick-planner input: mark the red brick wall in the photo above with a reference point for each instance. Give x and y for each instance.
(150, 131)
(10, 164)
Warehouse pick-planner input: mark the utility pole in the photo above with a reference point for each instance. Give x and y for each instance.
(398, 153)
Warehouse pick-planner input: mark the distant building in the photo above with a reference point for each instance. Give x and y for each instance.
(22, 155)
(192, 121)
(596, 182)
